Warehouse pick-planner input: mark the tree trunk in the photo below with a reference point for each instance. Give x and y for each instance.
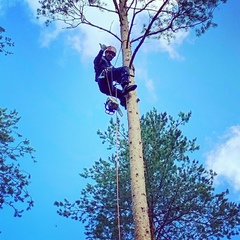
(138, 188)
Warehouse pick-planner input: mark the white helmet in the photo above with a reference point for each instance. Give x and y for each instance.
(111, 49)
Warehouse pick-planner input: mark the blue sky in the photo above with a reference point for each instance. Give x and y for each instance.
(49, 80)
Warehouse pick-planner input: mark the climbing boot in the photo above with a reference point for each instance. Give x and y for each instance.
(128, 89)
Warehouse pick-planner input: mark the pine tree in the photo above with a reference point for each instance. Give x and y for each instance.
(162, 19)
(4, 42)
(13, 180)
(182, 201)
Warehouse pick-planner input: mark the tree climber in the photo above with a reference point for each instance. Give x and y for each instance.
(106, 74)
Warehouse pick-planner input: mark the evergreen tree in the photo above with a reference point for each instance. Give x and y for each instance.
(5, 41)
(159, 19)
(13, 180)
(182, 201)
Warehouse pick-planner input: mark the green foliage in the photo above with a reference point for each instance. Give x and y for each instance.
(13, 180)
(170, 16)
(163, 16)
(97, 207)
(159, 19)
(5, 41)
(70, 12)
(181, 198)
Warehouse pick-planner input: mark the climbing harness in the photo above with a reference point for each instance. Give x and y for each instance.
(111, 104)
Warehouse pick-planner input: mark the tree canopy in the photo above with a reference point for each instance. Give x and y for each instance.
(4, 42)
(153, 18)
(182, 201)
(13, 180)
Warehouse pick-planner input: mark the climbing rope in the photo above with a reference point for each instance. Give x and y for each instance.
(117, 178)
(116, 152)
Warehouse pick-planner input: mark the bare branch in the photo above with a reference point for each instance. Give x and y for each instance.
(116, 6)
(132, 23)
(104, 8)
(72, 14)
(135, 13)
(130, 5)
(101, 28)
(147, 31)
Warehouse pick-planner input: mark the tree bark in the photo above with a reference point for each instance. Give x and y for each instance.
(138, 186)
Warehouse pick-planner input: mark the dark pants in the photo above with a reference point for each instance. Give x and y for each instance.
(119, 75)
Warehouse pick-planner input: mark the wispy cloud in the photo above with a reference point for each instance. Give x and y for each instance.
(172, 47)
(5, 4)
(161, 44)
(48, 35)
(84, 38)
(33, 5)
(224, 159)
(147, 82)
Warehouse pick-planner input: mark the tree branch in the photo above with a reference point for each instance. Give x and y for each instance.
(135, 13)
(147, 31)
(101, 28)
(105, 9)
(131, 24)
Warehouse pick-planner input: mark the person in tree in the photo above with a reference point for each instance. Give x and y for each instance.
(106, 75)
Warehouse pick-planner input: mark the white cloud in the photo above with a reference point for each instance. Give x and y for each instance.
(88, 38)
(5, 4)
(49, 34)
(224, 159)
(171, 48)
(85, 39)
(33, 5)
(147, 82)
(75, 43)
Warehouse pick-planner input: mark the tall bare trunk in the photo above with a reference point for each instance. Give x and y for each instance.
(138, 188)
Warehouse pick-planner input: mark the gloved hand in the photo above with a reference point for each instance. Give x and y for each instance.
(103, 47)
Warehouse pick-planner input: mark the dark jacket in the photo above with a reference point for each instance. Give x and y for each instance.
(100, 63)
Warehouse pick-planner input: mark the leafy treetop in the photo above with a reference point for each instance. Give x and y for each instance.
(181, 198)
(157, 18)
(13, 180)
(5, 41)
